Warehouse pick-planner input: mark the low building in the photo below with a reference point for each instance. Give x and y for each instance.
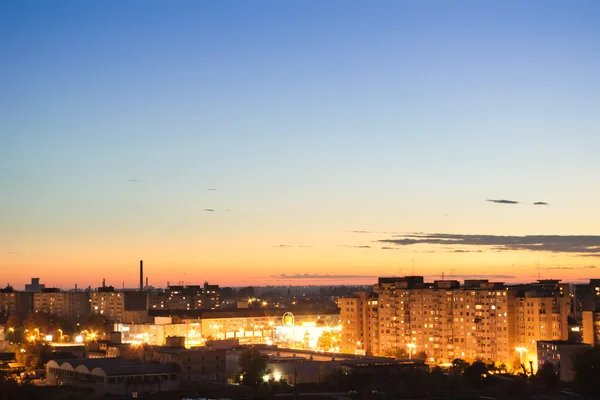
(561, 354)
(197, 365)
(301, 366)
(114, 376)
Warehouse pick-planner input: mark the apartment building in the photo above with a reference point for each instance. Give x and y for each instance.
(538, 312)
(444, 320)
(13, 303)
(70, 305)
(120, 306)
(191, 297)
(358, 316)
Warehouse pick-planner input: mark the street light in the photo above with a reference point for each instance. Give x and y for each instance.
(521, 350)
(411, 348)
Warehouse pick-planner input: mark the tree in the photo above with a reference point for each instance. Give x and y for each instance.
(253, 366)
(459, 366)
(98, 325)
(34, 355)
(421, 355)
(547, 377)
(587, 366)
(476, 374)
(328, 340)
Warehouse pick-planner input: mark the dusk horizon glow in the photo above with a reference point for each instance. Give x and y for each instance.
(293, 143)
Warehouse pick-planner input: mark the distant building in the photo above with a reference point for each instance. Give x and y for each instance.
(15, 303)
(561, 354)
(197, 365)
(591, 327)
(120, 306)
(70, 305)
(191, 297)
(34, 286)
(113, 376)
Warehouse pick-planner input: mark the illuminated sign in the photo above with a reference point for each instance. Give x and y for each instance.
(288, 319)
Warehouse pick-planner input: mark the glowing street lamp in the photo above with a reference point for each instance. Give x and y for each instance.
(521, 350)
(411, 348)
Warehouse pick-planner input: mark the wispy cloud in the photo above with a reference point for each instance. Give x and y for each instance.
(364, 246)
(322, 276)
(211, 189)
(585, 267)
(362, 232)
(134, 180)
(503, 201)
(476, 276)
(540, 203)
(209, 210)
(582, 244)
(283, 246)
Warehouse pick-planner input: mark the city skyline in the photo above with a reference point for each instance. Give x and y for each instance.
(298, 143)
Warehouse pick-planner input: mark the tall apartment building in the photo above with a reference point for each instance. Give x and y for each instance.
(358, 315)
(192, 297)
(13, 303)
(120, 306)
(538, 312)
(70, 305)
(448, 321)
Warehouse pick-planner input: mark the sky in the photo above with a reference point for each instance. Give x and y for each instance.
(298, 142)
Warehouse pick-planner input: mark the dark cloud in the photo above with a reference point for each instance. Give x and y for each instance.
(502, 201)
(466, 251)
(389, 248)
(209, 210)
(540, 203)
(582, 244)
(482, 276)
(586, 267)
(322, 276)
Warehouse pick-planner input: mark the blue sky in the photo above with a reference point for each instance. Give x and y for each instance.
(311, 119)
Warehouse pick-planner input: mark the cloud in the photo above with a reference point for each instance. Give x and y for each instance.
(540, 203)
(389, 248)
(586, 267)
(362, 232)
(282, 246)
(209, 210)
(322, 276)
(356, 247)
(502, 201)
(476, 276)
(134, 180)
(466, 251)
(583, 244)
(211, 189)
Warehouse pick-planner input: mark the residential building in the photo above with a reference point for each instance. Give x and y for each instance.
(591, 327)
(191, 297)
(561, 354)
(444, 320)
(15, 303)
(70, 305)
(120, 306)
(34, 286)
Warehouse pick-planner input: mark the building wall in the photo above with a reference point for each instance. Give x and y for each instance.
(73, 305)
(591, 327)
(561, 356)
(196, 365)
(480, 320)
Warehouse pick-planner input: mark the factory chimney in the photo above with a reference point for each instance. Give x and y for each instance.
(141, 275)
(146, 283)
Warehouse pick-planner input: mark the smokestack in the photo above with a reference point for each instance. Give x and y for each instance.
(103, 282)
(146, 282)
(141, 275)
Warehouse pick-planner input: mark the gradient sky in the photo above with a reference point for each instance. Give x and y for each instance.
(311, 119)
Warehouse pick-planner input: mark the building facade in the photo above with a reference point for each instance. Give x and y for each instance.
(70, 305)
(406, 316)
